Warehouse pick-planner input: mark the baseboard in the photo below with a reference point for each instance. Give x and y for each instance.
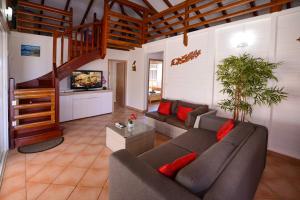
(288, 158)
(136, 109)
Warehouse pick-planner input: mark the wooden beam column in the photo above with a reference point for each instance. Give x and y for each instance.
(186, 24)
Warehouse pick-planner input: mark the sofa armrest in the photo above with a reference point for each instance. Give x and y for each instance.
(197, 121)
(192, 116)
(131, 178)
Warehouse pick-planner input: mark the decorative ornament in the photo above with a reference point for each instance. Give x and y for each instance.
(186, 58)
(133, 66)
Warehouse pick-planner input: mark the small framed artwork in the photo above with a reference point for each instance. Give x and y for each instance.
(29, 50)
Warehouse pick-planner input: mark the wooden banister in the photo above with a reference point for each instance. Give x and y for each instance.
(43, 7)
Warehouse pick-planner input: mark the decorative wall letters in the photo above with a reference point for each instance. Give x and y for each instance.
(186, 58)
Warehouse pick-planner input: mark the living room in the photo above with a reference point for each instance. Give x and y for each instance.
(75, 140)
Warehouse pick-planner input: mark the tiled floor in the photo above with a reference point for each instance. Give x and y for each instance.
(78, 168)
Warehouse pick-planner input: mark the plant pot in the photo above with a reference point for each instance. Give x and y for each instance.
(130, 125)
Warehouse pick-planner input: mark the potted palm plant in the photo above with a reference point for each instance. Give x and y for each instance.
(245, 81)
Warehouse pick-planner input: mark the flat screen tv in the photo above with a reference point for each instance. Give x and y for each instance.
(86, 79)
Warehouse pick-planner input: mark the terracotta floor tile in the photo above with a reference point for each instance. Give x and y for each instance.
(83, 160)
(56, 192)
(16, 195)
(31, 170)
(64, 159)
(75, 148)
(85, 193)
(104, 193)
(47, 174)
(43, 158)
(94, 178)
(284, 189)
(92, 149)
(101, 162)
(13, 184)
(70, 176)
(14, 170)
(35, 189)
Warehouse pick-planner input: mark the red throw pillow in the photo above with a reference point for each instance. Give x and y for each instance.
(225, 129)
(182, 112)
(171, 169)
(165, 107)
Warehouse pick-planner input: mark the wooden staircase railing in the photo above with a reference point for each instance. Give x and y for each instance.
(32, 111)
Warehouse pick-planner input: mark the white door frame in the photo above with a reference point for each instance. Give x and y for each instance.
(3, 91)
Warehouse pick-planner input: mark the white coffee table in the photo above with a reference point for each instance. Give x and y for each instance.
(136, 140)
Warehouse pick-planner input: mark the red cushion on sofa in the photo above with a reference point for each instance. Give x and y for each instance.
(164, 108)
(225, 129)
(171, 169)
(182, 112)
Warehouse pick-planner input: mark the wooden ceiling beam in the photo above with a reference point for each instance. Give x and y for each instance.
(224, 12)
(168, 3)
(197, 12)
(276, 8)
(149, 5)
(66, 8)
(87, 11)
(252, 5)
(134, 6)
(41, 13)
(231, 15)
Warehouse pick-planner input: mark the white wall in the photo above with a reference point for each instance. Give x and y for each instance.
(274, 39)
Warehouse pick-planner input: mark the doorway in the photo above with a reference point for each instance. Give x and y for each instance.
(117, 81)
(155, 84)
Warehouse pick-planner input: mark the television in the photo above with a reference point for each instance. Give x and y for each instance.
(86, 79)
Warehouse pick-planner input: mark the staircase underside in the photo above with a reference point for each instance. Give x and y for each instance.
(63, 71)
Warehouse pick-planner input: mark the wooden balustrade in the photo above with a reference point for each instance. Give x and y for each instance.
(30, 109)
(32, 22)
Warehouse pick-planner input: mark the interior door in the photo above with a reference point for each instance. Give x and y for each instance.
(120, 84)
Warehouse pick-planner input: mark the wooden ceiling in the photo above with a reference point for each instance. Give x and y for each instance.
(142, 21)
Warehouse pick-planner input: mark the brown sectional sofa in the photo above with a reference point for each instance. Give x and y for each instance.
(226, 170)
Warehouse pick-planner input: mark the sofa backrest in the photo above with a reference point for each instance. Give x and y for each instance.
(211, 122)
(201, 174)
(240, 178)
(190, 105)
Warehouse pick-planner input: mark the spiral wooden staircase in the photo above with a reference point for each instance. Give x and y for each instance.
(34, 105)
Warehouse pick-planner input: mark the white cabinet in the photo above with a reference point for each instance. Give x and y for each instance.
(76, 105)
(65, 108)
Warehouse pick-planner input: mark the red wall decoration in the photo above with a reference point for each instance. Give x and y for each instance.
(186, 58)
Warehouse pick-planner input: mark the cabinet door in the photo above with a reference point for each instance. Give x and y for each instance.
(86, 107)
(106, 103)
(65, 108)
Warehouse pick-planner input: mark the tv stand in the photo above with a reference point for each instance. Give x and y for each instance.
(85, 103)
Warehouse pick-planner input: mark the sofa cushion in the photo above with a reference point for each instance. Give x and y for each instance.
(164, 108)
(173, 120)
(157, 116)
(163, 154)
(195, 139)
(171, 169)
(225, 129)
(174, 104)
(199, 175)
(183, 112)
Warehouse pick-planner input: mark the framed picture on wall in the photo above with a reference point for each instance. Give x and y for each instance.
(29, 50)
